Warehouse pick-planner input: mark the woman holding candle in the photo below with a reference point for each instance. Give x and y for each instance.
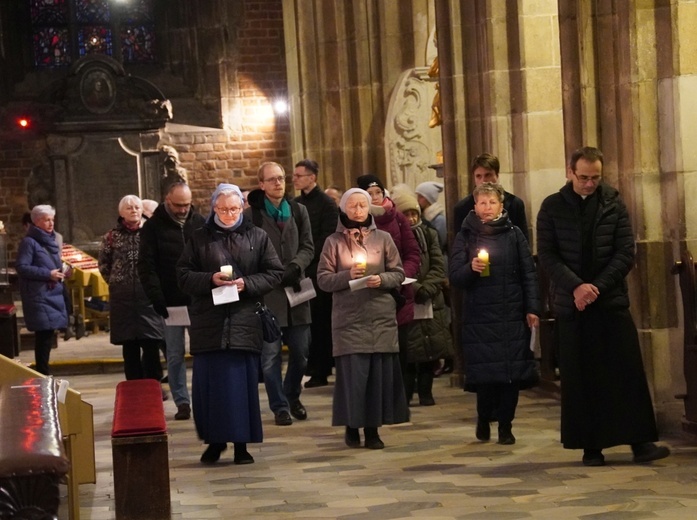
(491, 261)
(369, 391)
(226, 339)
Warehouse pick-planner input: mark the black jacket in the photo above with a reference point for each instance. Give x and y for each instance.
(560, 249)
(161, 244)
(512, 204)
(324, 215)
(495, 334)
(232, 325)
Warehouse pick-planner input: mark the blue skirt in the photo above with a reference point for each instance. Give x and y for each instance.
(225, 395)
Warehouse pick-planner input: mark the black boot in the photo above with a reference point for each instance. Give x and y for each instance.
(212, 453)
(79, 326)
(372, 439)
(242, 456)
(483, 431)
(352, 438)
(425, 388)
(505, 434)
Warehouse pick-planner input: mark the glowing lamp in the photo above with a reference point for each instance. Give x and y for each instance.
(24, 122)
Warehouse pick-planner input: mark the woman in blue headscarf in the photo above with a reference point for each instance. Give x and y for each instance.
(226, 339)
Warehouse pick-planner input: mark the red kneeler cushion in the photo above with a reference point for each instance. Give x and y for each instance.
(138, 409)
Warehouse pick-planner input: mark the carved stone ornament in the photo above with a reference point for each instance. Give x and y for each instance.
(98, 95)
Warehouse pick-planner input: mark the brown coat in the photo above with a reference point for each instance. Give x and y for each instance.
(363, 321)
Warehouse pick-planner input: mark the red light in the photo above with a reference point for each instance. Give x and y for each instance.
(23, 122)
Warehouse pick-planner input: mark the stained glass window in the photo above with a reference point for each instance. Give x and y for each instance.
(94, 39)
(138, 11)
(138, 44)
(51, 47)
(63, 27)
(92, 11)
(48, 11)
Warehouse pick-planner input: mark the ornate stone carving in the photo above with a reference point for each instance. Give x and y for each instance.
(411, 145)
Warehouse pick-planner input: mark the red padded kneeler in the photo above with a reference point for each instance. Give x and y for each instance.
(138, 409)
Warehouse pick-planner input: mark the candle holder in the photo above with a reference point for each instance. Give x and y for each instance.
(483, 256)
(227, 271)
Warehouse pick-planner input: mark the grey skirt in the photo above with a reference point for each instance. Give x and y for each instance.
(369, 391)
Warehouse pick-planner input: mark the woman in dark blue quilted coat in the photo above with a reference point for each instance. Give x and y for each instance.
(39, 268)
(500, 306)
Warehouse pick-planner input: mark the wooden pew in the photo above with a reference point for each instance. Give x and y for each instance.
(32, 456)
(77, 427)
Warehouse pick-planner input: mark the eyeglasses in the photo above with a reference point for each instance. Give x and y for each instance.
(585, 179)
(298, 175)
(228, 211)
(275, 180)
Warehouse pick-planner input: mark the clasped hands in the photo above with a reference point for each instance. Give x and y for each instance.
(374, 280)
(584, 295)
(221, 278)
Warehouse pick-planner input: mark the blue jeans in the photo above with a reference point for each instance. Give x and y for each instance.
(176, 366)
(281, 394)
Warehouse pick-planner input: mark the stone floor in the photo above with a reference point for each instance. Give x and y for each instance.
(431, 468)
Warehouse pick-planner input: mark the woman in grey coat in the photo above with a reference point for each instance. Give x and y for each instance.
(369, 391)
(133, 322)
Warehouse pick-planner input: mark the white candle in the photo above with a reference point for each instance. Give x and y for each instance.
(483, 255)
(361, 261)
(227, 271)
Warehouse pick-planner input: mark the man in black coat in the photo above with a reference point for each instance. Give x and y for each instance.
(324, 215)
(162, 241)
(485, 168)
(586, 245)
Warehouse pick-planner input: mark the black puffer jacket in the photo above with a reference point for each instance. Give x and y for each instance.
(161, 244)
(496, 337)
(559, 248)
(232, 325)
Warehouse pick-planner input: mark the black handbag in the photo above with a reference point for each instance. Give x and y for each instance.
(269, 324)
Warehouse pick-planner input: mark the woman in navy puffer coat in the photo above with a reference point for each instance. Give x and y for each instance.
(39, 267)
(498, 309)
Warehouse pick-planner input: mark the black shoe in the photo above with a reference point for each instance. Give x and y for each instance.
(593, 458)
(68, 333)
(242, 456)
(212, 453)
(80, 326)
(283, 419)
(298, 411)
(183, 412)
(372, 439)
(483, 431)
(648, 451)
(316, 381)
(427, 400)
(352, 438)
(506, 435)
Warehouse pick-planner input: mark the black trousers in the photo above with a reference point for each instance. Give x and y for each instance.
(320, 359)
(43, 341)
(500, 397)
(145, 365)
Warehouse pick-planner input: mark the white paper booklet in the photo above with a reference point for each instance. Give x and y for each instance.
(178, 317)
(225, 294)
(423, 311)
(307, 292)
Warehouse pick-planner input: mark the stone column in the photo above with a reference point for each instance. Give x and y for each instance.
(343, 60)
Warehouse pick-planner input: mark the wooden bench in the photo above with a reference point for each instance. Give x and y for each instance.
(32, 457)
(140, 452)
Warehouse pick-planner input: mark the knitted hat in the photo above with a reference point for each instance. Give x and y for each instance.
(224, 187)
(348, 193)
(405, 201)
(430, 190)
(368, 181)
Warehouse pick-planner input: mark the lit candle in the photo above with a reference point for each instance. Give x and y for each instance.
(483, 256)
(227, 271)
(361, 261)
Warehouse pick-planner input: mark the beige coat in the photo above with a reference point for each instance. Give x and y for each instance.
(363, 321)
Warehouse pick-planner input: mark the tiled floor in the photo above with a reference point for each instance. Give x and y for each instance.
(432, 468)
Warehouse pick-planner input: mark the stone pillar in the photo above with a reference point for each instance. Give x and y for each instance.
(343, 60)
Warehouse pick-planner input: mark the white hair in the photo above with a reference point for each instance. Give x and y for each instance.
(129, 199)
(41, 210)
